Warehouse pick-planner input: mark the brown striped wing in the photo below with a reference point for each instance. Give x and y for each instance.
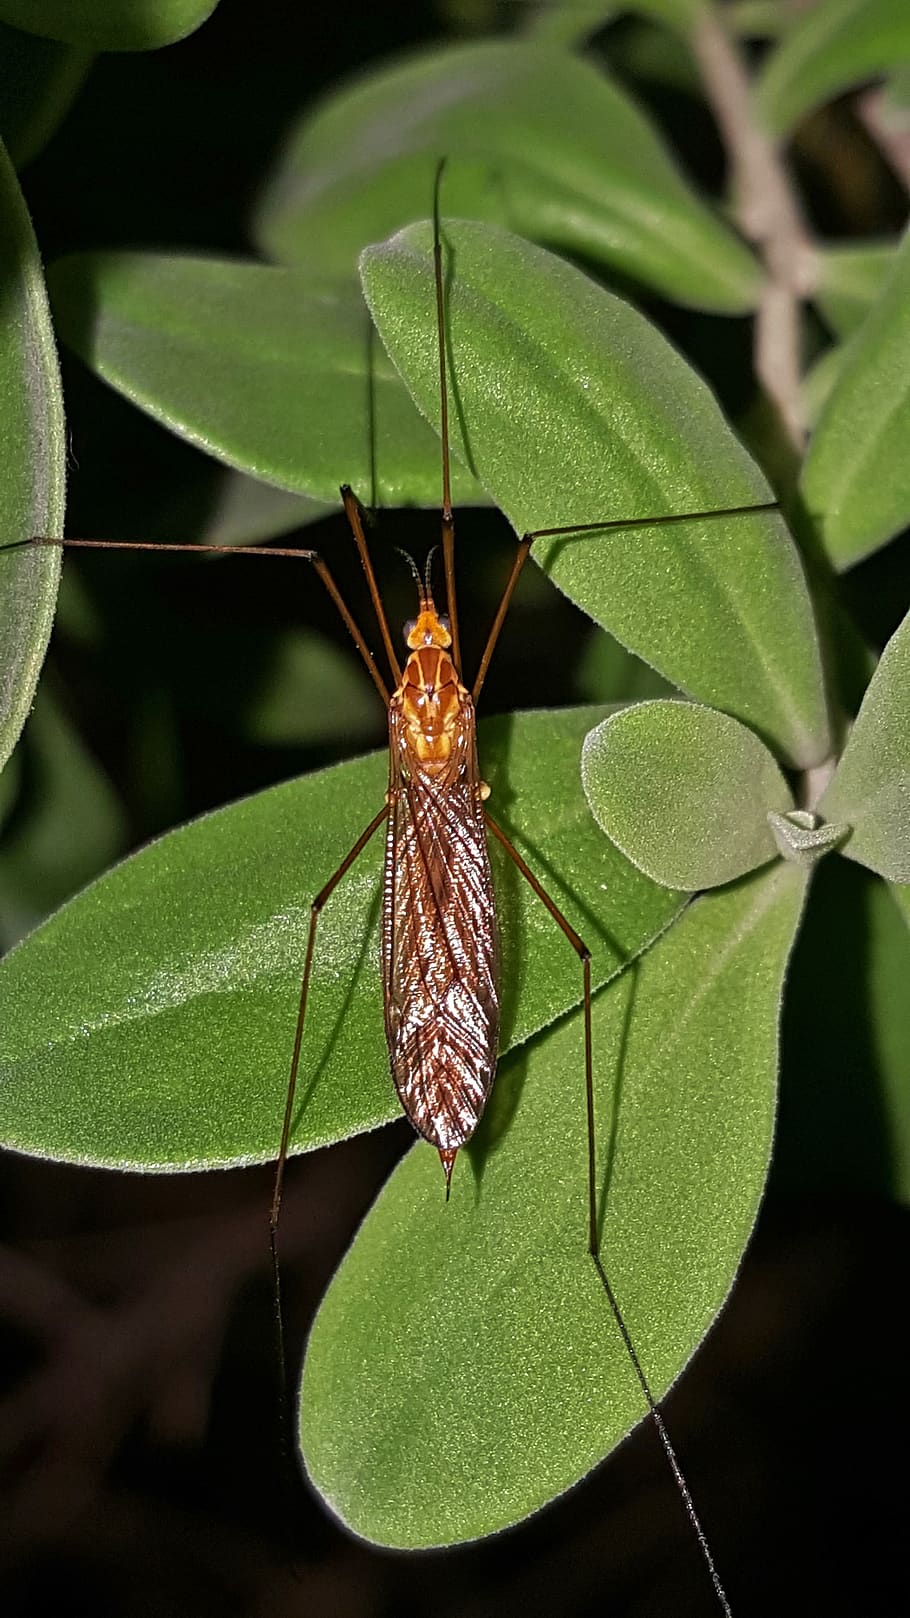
(439, 942)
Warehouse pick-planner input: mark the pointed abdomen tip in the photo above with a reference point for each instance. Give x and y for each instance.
(447, 1158)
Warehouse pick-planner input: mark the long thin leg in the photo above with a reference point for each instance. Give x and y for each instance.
(612, 526)
(354, 513)
(318, 903)
(584, 956)
(314, 557)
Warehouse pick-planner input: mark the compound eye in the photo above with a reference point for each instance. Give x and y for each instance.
(444, 621)
(409, 628)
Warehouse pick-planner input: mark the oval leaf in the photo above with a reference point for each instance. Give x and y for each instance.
(534, 138)
(829, 48)
(479, 1329)
(149, 1023)
(870, 790)
(109, 25)
(856, 477)
(265, 368)
(684, 792)
(573, 409)
(32, 489)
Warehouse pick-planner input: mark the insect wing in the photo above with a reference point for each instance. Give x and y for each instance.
(440, 954)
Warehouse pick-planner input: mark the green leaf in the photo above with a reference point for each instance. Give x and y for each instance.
(534, 138)
(34, 462)
(818, 382)
(830, 48)
(39, 81)
(850, 280)
(803, 837)
(464, 1367)
(67, 827)
(314, 695)
(245, 510)
(856, 477)
(684, 791)
(109, 25)
(269, 370)
(870, 790)
(149, 1023)
(573, 409)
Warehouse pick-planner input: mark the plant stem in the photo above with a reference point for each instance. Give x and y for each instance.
(768, 214)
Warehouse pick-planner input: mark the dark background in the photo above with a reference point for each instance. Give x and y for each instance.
(141, 1469)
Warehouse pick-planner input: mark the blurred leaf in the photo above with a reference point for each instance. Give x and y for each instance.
(856, 477)
(311, 683)
(829, 48)
(464, 1367)
(246, 510)
(534, 138)
(39, 80)
(850, 280)
(820, 379)
(573, 409)
(845, 1087)
(566, 22)
(870, 790)
(269, 370)
(67, 827)
(109, 25)
(684, 791)
(608, 673)
(32, 432)
(150, 1022)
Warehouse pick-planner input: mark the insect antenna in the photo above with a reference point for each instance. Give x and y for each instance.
(448, 520)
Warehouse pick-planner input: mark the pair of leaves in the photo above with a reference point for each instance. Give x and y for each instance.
(534, 138)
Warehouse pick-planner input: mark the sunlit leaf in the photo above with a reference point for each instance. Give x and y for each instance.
(150, 1022)
(272, 372)
(684, 791)
(479, 1328)
(572, 408)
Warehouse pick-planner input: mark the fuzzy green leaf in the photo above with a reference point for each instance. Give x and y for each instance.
(109, 25)
(149, 1023)
(829, 48)
(534, 138)
(573, 409)
(870, 790)
(265, 368)
(32, 489)
(856, 477)
(478, 1331)
(684, 791)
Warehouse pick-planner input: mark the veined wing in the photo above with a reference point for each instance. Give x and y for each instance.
(439, 942)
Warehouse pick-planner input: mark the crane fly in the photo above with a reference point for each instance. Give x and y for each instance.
(439, 945)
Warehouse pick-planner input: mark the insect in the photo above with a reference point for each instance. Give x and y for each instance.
(439, 932)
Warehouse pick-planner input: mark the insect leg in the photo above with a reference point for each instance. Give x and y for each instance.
(353, 510)
(320, 900)
(611, 526)
(584, 955)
